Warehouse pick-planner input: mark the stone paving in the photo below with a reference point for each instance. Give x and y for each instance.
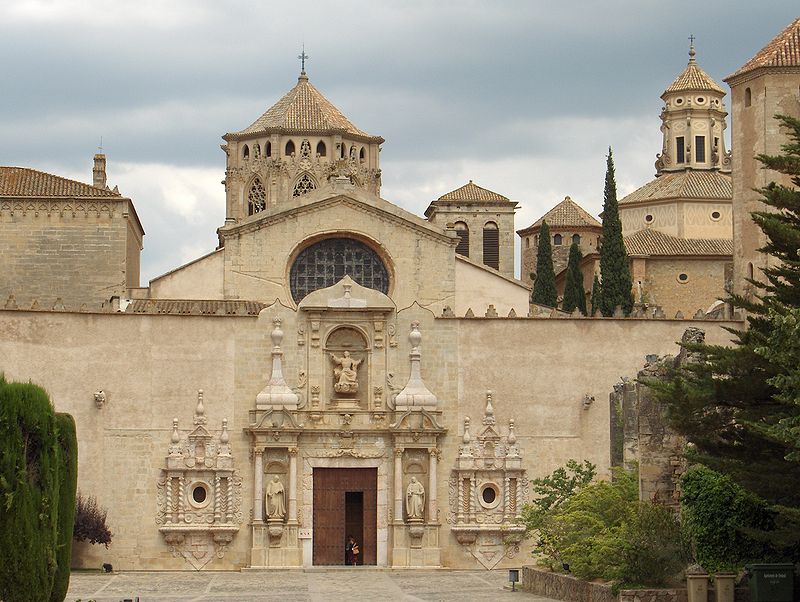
(324, 585)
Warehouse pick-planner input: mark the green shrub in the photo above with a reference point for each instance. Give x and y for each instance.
(719, 518)
(30, 466)
(68, 441)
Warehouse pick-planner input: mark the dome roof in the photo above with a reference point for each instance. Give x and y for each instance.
(693, 78)
(304, 110)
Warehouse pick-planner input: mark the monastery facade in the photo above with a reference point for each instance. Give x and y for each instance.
(337, 366)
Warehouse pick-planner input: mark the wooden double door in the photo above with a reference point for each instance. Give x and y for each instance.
(345, 504)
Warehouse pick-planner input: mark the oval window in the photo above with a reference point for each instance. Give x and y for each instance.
(649, 218)
(489, 495)
(683, 277)
(199, 494)
(715, 215)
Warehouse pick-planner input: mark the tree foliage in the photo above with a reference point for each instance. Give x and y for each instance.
(90, 522)
(30, 475)
(601, 530)
(615, 272)
(574, 293)
(544, 287)
(738, 405)
(595, 295)
(68, 485)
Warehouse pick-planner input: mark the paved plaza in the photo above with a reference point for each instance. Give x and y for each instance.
(325, 585)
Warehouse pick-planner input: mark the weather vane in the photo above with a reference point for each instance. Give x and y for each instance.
(303, 56)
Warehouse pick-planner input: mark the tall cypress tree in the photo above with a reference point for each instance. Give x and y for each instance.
(615, 268)
(574, 293)
(731, 404)
(544, 287)
(596, 292)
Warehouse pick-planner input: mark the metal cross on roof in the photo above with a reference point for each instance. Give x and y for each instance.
(303, 56)
(691, 39)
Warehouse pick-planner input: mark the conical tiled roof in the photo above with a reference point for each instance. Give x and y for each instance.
(304, 110)
(689, 184)
(654, 242)
(26, 182)
(566, 214)
(472, 192)
(693, 78)
(782, 51)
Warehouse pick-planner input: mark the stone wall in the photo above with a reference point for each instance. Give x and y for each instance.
(564, 587)
(80, 252)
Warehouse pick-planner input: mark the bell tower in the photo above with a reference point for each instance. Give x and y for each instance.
(693, 122)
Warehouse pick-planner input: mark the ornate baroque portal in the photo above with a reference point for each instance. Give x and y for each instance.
(199, 492)
(342, 413)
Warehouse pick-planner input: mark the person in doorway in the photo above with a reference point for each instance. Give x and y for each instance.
(351, 552)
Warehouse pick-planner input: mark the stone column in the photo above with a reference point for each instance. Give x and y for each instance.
(258, 487)
(433, 509)
(292, 484)
(398, 485)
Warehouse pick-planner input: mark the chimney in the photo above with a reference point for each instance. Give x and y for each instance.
(99, 171)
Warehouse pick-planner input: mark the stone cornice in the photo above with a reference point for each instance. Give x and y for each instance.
(735, 80)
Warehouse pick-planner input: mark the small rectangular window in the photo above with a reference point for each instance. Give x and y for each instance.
(680, 152)
(700, 149)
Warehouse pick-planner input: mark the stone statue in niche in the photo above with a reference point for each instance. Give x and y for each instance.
(276, 507)
(415, 500)
(345, 373)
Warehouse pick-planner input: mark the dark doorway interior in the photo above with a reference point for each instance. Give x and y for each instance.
(354, 517)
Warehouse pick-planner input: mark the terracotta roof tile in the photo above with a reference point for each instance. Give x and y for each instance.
(655, 242)
(26, 182)
(691, 184)
(305, 109)
(195, 307)
(782, 51)
(694, 78)
(567, 213)
(472, 192)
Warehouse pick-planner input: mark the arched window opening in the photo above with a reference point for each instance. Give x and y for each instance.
(341, 151)
(268, 149)
(527, 242)
(557, 240)
(246, 152)
(289, 148)
(328, 261)
(491, 245)
(748, 97)
(576, 238)
(750, 271)
(256, 197)
(463, 239)
(303, 185)
(256, 151)
(362, 155)
(321, 150)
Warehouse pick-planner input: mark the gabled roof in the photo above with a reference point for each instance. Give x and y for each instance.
(472, 192)
(26, 182)
(782, 51)
(688, 184)
(693, 78)
(566, 214)
(304, 110)
(655, 242)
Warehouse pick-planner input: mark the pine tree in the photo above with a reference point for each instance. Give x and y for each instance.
(731, 403)
(597, 291)
(614, 265)
(574, 293)
(544, 287)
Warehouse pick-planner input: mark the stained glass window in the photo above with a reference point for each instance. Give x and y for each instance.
(328, 261)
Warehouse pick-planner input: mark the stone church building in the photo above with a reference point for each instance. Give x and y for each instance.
(337, 367)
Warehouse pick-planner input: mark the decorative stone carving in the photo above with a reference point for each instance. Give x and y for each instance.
(415, 393)
(415, 501)
(345, 373)
(199, 493)
(487, 488)
(275, 501)
(99, 399)
(277, 393)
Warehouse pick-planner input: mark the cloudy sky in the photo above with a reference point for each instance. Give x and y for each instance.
(524, 98)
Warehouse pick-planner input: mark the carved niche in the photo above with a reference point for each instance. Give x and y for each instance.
(199, 492)
(487, 488)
